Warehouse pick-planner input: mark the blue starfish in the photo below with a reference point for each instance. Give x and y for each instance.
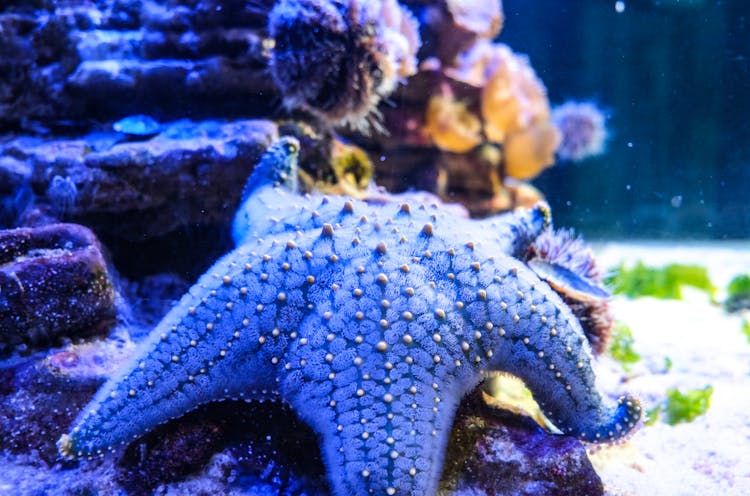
(371, 321)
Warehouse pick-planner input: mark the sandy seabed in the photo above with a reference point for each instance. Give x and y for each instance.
(710, 455)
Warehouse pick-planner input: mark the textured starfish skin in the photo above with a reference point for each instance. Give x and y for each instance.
(372, 322)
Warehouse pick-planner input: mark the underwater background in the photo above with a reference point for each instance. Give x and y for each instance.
(600, 149)
(673, 77)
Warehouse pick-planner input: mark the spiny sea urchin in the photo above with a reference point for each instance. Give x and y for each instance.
(583, 129)
(338, 59)
(567, 263)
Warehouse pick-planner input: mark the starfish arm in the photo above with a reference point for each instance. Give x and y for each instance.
(383, 411)
(277, 167)
(276, 170)
(524, 328)
(377, 447)
(184, 362)
(512, 233)
(373, 369)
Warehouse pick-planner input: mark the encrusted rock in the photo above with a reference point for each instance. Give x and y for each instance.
(153, 296)
(73, 63)
(189, 173)
(15, 192)
(263, 447)
(265, 444)
(35, 406)
(499, 453)
(54, 284)
(78, 59)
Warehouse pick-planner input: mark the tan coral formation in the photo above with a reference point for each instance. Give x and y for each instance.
(513, 98)
(514, 106)
(470, 95)
(451, 125)
(529, 152)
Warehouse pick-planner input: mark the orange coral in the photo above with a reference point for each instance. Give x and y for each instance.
(522, 193)
(530, 151)
(513, 98)
(451, 125)
(514, 106)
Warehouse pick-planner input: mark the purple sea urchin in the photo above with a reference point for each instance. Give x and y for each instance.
(583, 130)
(563, 248)
(563, 260)
(338, 59)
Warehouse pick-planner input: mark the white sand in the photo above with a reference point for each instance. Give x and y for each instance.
(711, 455)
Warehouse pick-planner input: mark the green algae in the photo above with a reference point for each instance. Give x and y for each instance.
(738, 293)
(746, 329)
(681, 407)
(621, 346)
(659, 282)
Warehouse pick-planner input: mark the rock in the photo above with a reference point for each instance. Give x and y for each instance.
(153, 296)
(263, 443)
(15, 190)
(36, 406)
(80, 62)
(36, 52)
(217, 477)
(189, 173)
(499, 453)
(234, 447)
(81, 59)
(168, 454)
(95, 359)
(54, 284)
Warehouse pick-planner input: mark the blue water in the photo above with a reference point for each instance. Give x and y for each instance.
(673, 76)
